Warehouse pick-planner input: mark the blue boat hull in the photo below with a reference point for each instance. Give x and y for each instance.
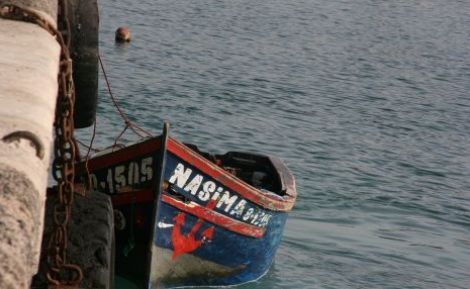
(188, 217)
(233, 258)
(227, 256)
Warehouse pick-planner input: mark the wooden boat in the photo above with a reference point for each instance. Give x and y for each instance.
(187, 218)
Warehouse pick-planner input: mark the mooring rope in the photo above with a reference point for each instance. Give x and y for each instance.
(128, 123)
(88, 146)
(87, 158)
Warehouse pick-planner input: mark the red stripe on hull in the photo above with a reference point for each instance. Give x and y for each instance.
(215, 218)
(228, 180)
(124, 154)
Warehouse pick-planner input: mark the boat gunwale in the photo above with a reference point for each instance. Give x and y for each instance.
(272, 201)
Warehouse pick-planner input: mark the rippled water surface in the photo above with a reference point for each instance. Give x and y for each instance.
(367, 101)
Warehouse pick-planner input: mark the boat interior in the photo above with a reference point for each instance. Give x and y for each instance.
(254, 169)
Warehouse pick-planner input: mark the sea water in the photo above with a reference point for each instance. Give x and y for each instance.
(367, 101)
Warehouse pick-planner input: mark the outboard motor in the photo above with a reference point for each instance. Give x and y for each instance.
(84, 26)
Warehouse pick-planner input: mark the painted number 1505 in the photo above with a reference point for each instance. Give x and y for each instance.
(132, 173)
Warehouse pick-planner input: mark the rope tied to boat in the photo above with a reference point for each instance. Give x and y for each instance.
(128, 123)
(60, 273)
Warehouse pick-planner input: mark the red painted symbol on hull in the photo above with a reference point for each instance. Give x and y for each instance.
(184, 244)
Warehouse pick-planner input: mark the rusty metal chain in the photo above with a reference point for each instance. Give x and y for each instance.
(65, 155)
(65, 146)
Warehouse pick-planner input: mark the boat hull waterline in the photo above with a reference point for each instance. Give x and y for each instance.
(197, 224)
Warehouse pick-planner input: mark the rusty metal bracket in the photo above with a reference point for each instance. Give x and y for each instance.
(33, 138)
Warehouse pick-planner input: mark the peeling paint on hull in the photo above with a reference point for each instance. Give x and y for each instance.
(195, 222)
(227, 259)
(188, 266)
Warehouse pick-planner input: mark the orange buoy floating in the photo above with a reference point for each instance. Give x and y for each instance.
(123, 34)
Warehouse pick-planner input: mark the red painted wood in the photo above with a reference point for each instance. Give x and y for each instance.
(215, 217)
(125, 154)
(187, 243)
(228, 180)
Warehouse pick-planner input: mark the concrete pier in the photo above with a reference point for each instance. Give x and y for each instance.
(29, 65)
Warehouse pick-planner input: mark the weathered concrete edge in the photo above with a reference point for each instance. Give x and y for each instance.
(29, 61)
(20, 227)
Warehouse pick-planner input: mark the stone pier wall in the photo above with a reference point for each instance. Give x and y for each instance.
(29, 64)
